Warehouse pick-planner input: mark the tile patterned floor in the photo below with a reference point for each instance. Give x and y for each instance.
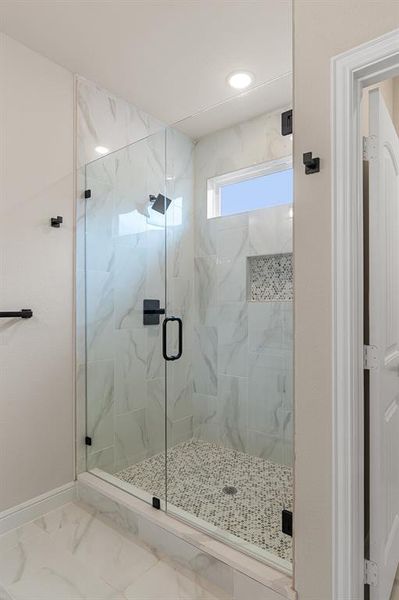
(70, 554)
(197, 473)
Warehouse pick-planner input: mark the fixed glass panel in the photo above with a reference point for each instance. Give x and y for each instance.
(230, 400)
(125, 266)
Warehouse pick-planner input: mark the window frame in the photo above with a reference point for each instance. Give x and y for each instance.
(217, 182)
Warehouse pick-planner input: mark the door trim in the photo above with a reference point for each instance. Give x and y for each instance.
(350, 73)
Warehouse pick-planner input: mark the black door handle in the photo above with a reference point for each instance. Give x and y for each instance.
(165, 338)
(25, 313)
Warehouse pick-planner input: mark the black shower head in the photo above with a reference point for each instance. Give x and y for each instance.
(160, 203)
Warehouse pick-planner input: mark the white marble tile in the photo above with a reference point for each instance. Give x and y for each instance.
(267, 378)
(205, 290)
(180, 431)
(28, 555)
(232, 222)
(232, 407)
(100, 404)
(99, 208)
(246, 588)
(232, 251)
(270, 230)
(155, 415)
(80, 345)
(132, 439)
(130, 369)
(4, 595)
(100, 252)
(130, 279)
(179, 157)
(180, 246)
(106, 120)
(180, 387)
(206, 417)
(266, 325)
(71, 518)
(100, 315)
(206, 230)
(205, 360)
(106, 508)
(62, 577)
(186, 556)
(104, 460)
(233, 340)
(155, 363)
(13, 537)
(288, 453)
(155, 267)
(269, 446)
(163, 581)
(109, 554)
(180, 296)
(288, 325)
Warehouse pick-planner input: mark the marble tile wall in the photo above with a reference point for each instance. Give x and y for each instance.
(233, 384)
(121, 263)
(243, 350)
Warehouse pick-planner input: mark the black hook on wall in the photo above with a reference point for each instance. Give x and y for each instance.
(56, 221)
(312, 164)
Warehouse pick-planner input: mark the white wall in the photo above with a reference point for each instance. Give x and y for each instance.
(36, 355)
(321, 30)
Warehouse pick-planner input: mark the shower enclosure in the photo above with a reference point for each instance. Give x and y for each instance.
(189, 332)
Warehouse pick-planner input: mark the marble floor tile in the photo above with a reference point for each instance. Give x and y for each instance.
(11, 538)
(4, 595)
(71, 554)
(163, 582)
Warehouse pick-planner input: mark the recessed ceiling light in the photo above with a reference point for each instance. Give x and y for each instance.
(101, 150)
(239, 80)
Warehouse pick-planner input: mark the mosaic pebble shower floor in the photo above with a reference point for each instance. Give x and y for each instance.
(197, 473)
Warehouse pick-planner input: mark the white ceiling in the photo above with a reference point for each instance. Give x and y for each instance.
(169, 57)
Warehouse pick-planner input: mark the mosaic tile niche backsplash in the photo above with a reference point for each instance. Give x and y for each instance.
(270, 278)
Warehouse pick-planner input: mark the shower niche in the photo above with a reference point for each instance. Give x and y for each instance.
(270, 278)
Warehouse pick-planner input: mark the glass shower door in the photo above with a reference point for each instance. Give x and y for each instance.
(125, 292)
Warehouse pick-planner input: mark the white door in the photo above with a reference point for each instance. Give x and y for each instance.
(384, 335)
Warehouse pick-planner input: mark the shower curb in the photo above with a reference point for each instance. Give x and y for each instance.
(237, 574)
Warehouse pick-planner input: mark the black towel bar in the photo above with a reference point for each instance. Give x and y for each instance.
(25, 313)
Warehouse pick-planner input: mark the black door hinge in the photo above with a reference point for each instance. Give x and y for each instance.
(87, 193)
(286, 522)
(88, 441)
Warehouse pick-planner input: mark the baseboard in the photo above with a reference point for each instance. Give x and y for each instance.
(36, 507)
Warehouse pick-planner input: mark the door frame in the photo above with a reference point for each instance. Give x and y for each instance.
(351, 71)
